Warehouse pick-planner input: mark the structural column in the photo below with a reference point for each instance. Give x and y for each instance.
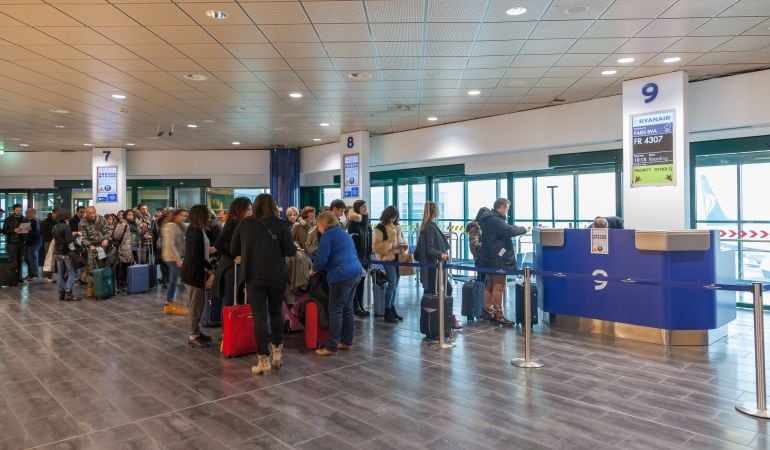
(109, 179)
(656, 154)
(284, 177)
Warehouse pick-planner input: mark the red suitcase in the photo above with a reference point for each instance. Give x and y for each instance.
(315, 336)
(237, 328)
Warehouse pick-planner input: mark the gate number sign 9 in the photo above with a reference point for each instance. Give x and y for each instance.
(650, 91)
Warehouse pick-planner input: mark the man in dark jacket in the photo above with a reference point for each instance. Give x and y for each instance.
(46, 231)
(497, 253)
(358, 228)
(14, 240)
(32, 241)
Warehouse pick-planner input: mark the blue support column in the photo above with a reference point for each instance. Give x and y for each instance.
(284, 177)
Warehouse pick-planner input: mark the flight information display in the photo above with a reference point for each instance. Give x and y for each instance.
(652, 141)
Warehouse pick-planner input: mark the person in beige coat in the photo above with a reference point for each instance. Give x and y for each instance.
(387, 244)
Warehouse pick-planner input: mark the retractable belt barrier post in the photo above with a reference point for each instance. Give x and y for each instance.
(441, 281)
(527, 361)
(758, 409)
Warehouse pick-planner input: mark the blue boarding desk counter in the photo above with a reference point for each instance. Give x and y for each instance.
(650, 313)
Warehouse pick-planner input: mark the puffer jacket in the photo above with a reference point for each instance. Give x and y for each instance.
(172, 237)
(358, 229)
(121, 238)
(384, 248)
(497, 241)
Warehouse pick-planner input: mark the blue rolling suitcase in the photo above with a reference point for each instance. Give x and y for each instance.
(104, 287)
(473, 300)
(138, 278)
(212, 311)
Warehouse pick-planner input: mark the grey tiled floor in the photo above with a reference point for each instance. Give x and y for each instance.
(117, 374)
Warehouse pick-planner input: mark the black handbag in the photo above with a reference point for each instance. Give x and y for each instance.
(77, 259)
(380, 277)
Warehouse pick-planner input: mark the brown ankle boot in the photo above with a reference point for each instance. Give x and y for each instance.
(90, 292)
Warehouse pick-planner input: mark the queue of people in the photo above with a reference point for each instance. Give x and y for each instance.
(250, 250)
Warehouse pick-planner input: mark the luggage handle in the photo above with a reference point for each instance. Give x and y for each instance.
(235, 286)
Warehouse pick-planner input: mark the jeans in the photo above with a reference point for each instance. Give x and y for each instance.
(15, 253)
(197, 298)
(173, 280)
(265, 299)
(341, 318)
(390, 292)
(67, 273)
(493, 295)
(32, 253)
(359, 297)
(429, 284)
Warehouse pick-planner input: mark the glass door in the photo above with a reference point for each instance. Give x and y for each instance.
(81, 197)
(381, 196)
(186, 197)
(412, 195)
(153, 197)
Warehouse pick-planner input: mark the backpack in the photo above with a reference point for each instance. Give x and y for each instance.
(383, 230)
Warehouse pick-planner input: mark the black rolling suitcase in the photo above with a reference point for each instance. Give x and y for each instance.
(8, 275)
(520, 303)
(473, 300)
(429, 317)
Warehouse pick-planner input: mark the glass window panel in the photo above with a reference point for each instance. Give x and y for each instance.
(596, 195)
(7, 200)
(503, 187)
(754, 191)
(522, 192)
(716, 192)
(330, 194)
(219, 199)
(156, 198)
(82, 197)
(378, 201)
(450, 201)
(481, 193)
(185, 198)
(564, 206)
(403, 201)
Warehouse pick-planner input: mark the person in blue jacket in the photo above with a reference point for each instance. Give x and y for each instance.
(337, 256)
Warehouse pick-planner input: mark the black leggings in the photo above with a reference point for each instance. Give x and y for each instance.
(265, 299)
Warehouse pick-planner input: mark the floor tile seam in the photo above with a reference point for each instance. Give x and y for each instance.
(197, 405)
(83, 381)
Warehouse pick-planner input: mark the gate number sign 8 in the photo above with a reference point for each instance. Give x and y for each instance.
(650, 91)
(351, 143)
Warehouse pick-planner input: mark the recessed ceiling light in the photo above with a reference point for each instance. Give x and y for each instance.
(577, 9)
(23, 145)
(432, 119)
(192, 125)
(130, 144)
(517, 11)
(217, 14)
(609, 72)
(324, 124)
(194, 77)
(118, 96)
(59, 111)
(236, 143)
(14, 139)
(673, 59)
(474, 92)
(88, 145)
(626, 60)
(2, 152)
(317, 139)
(295, 95)
(58, 126)
(246, 109)
(208, 121)
(359, 75)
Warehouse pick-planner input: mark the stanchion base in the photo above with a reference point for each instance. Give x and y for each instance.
(521, 362)
(750, 409)
(444, 345)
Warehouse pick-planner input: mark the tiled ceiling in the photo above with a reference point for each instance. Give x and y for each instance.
(415, 59)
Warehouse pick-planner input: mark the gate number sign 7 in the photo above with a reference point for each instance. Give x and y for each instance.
(107, 154)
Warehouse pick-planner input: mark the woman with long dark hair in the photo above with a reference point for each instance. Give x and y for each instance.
(195, 268)
(239, 208)
(388, 243)
(262, 242)
(358, 228)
